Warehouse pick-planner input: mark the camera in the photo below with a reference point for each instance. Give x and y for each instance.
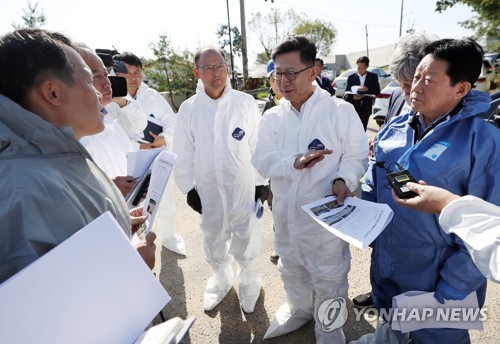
(118, 83)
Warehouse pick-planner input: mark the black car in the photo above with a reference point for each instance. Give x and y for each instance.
(492, 115)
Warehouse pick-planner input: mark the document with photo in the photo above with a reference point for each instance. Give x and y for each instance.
(358, 222)
(160, 173)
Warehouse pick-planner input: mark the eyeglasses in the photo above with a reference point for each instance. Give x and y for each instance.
(212, 69)
(289, 75)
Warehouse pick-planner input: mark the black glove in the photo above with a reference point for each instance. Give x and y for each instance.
(262, 192)
(193, 200)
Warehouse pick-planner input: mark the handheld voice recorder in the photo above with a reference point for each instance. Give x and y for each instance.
(398, 181)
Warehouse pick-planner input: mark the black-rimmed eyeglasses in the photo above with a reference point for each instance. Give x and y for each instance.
(289, 75)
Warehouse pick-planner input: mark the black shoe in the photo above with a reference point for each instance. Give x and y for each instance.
(363, 301)
(274, 258)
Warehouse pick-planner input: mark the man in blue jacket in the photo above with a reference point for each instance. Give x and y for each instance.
(443, 142)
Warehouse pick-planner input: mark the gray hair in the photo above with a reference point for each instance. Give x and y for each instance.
(407, 55)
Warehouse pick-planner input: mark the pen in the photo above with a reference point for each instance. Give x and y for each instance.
(133, 180)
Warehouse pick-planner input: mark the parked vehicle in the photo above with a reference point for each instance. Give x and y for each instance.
(340, 82)
(382, 102)
(494, 58)
(492, 115)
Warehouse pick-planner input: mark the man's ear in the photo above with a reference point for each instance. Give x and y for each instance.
(196, 73)
(52, 91)
(463, 88)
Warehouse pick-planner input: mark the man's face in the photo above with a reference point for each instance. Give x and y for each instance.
(432, 94)
(212, 70)
(319, 68)
(100, 76)
(362, 68)
(297, 91)
(134, 78)
(81, 107)
(275, 87)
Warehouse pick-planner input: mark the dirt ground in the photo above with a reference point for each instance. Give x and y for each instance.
(185, 277)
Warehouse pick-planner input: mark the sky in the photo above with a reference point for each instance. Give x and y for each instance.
(133, 25)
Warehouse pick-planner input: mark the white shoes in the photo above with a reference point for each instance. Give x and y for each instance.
(175, 244)
(287, 320)
(218, 286)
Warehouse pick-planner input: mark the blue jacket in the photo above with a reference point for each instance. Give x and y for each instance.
(461, 155)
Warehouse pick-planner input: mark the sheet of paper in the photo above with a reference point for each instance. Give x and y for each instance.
(138, 162)
(415, 310)
(172, 331)
(160, 173)
(92, 288)
(358, 222)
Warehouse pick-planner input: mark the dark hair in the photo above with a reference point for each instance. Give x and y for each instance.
(198, 54)
(300, 43)
(464, 57)
(27, 56)
(128, 58)
(317, 59)
(363, 59)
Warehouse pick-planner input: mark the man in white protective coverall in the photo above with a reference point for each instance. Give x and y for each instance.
(474, 220)
(159, 111)
(214, 139)
(108, 148)
(311, 145)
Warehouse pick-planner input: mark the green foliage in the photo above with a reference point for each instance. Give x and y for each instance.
(236, 39)
(32, 17)
(171, 71)
(485, 23)
(322, 33)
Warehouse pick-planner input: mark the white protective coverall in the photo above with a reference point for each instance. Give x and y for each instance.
(477, 223)
(214, 140)
(311, 258)
(109, 148)
(131, 117)
(154, 105)
(50, 186)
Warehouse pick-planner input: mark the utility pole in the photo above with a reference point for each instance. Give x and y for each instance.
(401, 18)
(230, 46)
(244, 41)
(367, 51)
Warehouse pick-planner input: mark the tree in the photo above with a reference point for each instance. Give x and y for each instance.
(32, 17)
(236, 39)
(276, 26)
(271, 29)
(322, 33)
(171, 71)
(485, 23)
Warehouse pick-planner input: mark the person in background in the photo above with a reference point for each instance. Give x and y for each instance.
(214, 138)
(366, 88)
(47, 103)
(159, 111)
(311, 145)
(474, 220)
(402, 66)
(323, 82)
(412, 253)
(274, 92)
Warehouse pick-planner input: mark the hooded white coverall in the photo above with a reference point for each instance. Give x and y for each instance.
(131, 117)
(214, 141)
(109, 148)
(154, 105)
(311, 258)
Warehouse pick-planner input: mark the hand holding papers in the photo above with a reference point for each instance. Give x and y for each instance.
(358, 222)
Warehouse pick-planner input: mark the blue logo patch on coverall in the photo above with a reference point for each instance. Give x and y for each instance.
(238, 134)
(316, 145)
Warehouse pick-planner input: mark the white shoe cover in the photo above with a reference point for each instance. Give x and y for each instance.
(175, 244)
(285, 321)
(249, 287)
(383, 334)
(217, 287)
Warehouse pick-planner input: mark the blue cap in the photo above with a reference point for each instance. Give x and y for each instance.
(270, 68)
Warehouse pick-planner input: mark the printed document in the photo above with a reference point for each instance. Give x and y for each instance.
(358, 222)
(415, 310)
